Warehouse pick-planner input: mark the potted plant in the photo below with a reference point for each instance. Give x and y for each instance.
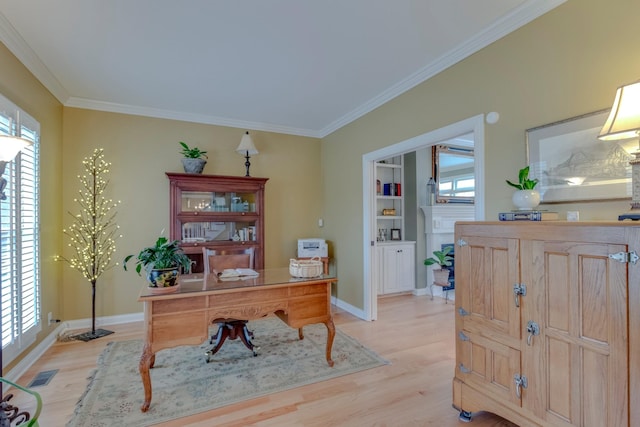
(443, 259)
(194, 158)
(162, 262)
(527, 197)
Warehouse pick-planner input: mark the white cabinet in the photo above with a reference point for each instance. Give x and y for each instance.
(396, 267)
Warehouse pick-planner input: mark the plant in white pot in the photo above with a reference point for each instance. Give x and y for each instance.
(443, 259)
(527, 197)
(194, 158)
(162, 262)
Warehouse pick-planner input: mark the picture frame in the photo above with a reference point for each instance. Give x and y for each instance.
(395, 234)
(573, 165)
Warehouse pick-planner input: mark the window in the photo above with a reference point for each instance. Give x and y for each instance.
(19, 236)
(458, 186)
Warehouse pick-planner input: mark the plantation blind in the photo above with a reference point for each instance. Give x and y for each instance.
(19, 236)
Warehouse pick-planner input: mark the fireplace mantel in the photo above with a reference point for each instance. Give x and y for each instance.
(439, 222)
(441, 218)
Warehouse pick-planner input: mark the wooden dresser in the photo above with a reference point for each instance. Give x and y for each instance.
(548, 322)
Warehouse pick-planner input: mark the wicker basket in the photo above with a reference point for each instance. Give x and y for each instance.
(305, 267)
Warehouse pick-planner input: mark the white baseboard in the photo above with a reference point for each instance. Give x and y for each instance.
(359, 313)
(28, 360)
(103, 321)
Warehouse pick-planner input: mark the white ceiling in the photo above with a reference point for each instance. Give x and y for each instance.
(301, 67)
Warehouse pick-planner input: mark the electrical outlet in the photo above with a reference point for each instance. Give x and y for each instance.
(50, 318)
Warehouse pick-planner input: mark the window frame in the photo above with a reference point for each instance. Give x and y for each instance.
(20, 278)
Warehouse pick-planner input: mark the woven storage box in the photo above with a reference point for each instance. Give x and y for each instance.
(305, 267)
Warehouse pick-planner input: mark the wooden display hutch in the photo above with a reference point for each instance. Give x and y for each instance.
(225, 213)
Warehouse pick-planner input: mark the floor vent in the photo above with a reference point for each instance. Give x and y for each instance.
(42, 378)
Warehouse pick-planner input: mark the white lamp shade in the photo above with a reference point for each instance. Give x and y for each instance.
(624, 119)
(10, 146)
(246, 146)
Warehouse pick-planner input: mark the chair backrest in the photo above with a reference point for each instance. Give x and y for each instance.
(215, 259)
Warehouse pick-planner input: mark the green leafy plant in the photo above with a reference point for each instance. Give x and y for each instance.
(164, 254)
(524, 182)
(442, 258)
(192, 153)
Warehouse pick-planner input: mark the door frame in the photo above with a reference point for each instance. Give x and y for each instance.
(473, 125)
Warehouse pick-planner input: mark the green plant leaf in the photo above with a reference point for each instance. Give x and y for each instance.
(518, 186)
(524, 182)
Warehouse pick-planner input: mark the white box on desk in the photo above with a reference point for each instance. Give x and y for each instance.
(308, 248)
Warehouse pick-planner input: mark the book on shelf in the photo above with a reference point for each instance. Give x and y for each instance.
(528, 216)
(236, 274)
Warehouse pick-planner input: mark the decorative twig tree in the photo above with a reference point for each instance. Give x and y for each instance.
(93, 232)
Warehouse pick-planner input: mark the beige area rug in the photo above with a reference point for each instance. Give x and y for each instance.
(184, 384)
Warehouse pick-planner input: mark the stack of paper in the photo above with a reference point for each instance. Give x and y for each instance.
(236, 274)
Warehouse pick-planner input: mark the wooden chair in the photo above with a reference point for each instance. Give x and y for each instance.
(216, 262)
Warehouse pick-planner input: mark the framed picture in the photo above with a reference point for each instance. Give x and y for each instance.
(573, 165)
(395, 234)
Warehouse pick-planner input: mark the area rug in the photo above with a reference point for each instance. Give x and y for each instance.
(184, 384)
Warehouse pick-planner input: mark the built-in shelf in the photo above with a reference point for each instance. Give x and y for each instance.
(389, 178)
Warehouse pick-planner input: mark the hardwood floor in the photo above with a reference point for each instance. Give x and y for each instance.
(414, 333)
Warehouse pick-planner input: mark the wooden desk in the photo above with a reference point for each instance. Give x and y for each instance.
(184, 317)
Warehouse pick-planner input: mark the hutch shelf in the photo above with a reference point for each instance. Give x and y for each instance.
(224, 213)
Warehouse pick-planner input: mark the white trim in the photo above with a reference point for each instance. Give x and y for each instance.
(421, 291)
(347, 307)
(104, 321)
(19, 47)
(518, 17)
(112, 107)
(21, 367)
(521, 15)
(473, 125)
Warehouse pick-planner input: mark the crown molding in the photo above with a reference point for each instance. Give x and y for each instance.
(16, 44)
(527, 12)
(520, 16)
(185, 117)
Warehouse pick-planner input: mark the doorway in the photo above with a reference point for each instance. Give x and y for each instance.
(473, 126)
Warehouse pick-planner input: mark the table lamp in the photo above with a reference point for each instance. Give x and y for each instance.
(10, 146)
(624, 123)
(246, 148)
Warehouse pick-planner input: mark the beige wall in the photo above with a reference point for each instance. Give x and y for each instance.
(566, 63)
(141, 150)
(17, 84)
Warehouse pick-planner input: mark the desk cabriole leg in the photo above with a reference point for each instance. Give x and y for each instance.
(331, 333)
(147, 360)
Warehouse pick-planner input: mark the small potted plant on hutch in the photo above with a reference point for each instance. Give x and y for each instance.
(443, 259)
(194, 158)
(163, 263)
(527, 197)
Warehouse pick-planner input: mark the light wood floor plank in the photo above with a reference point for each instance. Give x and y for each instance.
(414, 333)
